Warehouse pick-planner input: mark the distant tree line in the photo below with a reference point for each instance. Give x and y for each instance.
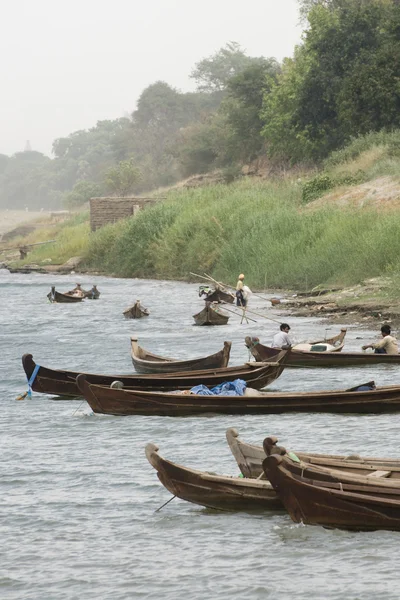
(342, 82)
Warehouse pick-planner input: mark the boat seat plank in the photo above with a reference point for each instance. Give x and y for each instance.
(379, 474)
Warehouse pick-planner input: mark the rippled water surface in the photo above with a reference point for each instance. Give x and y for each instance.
(78, 499)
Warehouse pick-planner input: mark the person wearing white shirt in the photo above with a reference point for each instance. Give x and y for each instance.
(282, 339)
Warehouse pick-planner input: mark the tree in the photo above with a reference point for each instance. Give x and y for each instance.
(213, 73)
(342, 82)
(81, 193)
(122, 179)
(243, 105)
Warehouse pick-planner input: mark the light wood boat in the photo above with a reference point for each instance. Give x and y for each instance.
(147, 362)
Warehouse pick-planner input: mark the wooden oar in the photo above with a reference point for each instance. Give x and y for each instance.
(235, 313)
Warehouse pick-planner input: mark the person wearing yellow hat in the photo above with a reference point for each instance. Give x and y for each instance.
(240, 299)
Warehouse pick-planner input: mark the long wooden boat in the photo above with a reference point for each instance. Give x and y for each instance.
(137, 311)
(211, 490)
(117, 400)
(362, 498)
(147, 362)
(63, 383)
(129, 402)
(55, 296)
(210, 315)
(298, 358)
(250, 457)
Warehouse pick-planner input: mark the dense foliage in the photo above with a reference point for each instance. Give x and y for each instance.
(341, 83)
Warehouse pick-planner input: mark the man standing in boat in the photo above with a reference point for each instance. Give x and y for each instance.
(387, 345)
(282, 340)
(240, 297)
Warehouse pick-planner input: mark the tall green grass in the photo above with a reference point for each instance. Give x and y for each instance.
(260, 228)
(72, 239)
(255, 228)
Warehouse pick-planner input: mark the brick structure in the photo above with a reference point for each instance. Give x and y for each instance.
(109, 210)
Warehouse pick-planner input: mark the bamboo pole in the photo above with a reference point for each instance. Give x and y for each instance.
(231, 286)
(209, 278)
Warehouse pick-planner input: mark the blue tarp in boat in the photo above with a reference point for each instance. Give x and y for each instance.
(229, 388)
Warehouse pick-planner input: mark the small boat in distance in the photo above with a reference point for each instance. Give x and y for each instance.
(211, 315)
(66, 298)
(92, 294)
(136, 311)
(147, 362)
(216, 295)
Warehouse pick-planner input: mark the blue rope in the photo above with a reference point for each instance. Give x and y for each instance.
(32, 379)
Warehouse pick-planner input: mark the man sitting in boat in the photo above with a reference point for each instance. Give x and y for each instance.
(240, 297)
(387, 345)
(282, 339)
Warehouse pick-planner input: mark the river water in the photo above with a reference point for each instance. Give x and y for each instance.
(78, 498)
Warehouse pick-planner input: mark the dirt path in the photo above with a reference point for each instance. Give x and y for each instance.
(10, 219)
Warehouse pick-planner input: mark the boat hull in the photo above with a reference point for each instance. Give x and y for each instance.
(146, 362)
(210, 490)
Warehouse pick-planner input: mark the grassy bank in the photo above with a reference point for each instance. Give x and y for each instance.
(72, 239)
(262, 228)
(256, 228)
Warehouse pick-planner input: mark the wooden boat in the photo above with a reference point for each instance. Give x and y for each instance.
(63, 383)
(147, 362)
(211, 490)
(136, 311)
(363, 497)
(307, 359)
(92, 294)
(245, 493)
(117, 400)
(379, 400)
(328, 345)
(217, 295)
(55, 296)
(250, 457)
(210, 315)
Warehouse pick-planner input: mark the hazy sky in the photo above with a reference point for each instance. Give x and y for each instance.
(68, 63)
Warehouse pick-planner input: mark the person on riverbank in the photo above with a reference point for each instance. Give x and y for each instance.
(240, 296)
(281, 339)
(387, 345)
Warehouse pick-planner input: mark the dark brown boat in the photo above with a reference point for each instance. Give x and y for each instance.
(92, 294)
(136, 311)
(63, 383)
(360, 498)
(147, 362)
(68, 298)
(211, 315)
(117, 400)
(309, 359)
(217, 295)
(126, 402)
(221, 492)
